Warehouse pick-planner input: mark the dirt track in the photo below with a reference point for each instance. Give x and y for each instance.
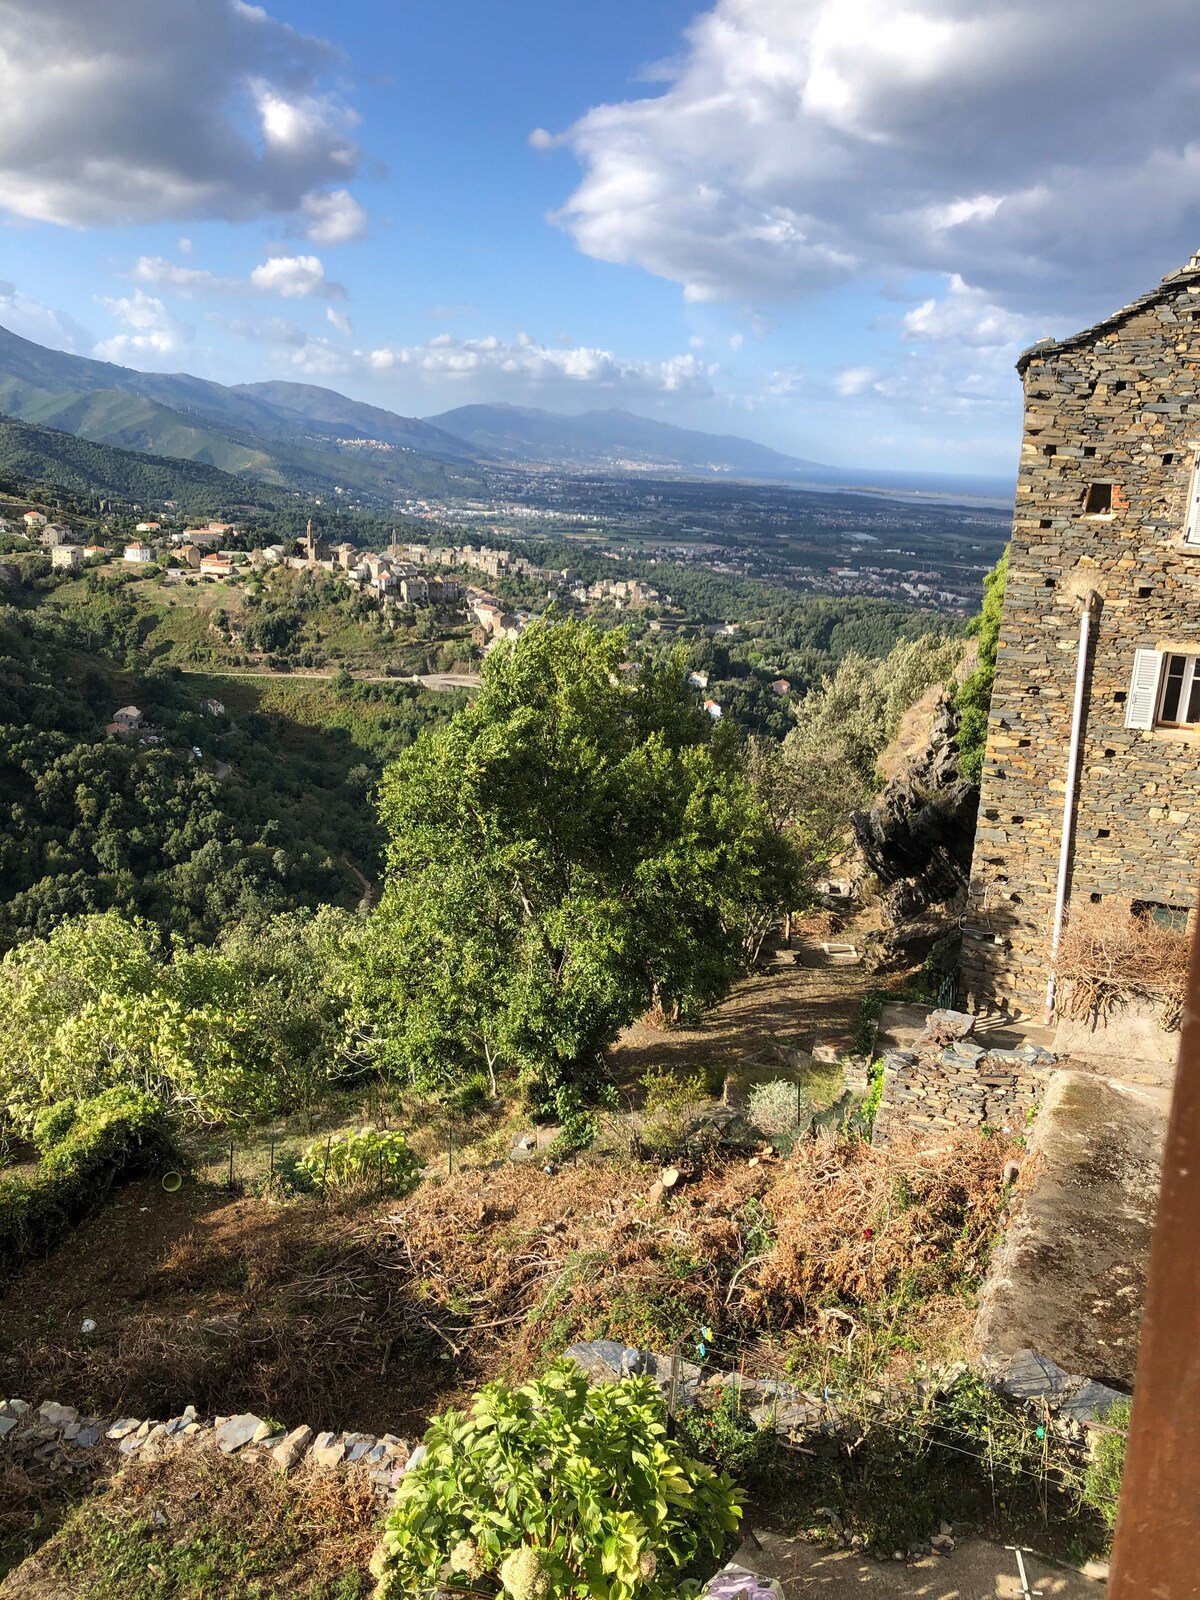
(977, 1570)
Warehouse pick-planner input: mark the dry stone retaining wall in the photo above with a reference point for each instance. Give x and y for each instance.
(57, 1438)
(950, 1080)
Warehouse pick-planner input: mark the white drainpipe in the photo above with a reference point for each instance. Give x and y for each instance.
(1064, 853)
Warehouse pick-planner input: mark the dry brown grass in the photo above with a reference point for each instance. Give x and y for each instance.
(515, 1264)
(375, 1317)
(1108, 957)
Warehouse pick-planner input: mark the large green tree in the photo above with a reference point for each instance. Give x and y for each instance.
(574, 846)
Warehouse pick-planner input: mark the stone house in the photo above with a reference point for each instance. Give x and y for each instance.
(1091, 780)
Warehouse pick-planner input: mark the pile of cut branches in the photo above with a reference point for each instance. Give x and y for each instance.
(1109, 957)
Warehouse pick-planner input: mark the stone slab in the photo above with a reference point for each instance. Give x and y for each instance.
(238, 1432)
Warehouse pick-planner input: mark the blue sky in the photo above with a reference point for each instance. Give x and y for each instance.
(827, 224)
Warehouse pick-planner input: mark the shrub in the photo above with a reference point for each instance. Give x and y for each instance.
(554, 1489)
(359, 1160)
(778, 1107)
(113, 1135)
(666, 1110)
(727, 1437)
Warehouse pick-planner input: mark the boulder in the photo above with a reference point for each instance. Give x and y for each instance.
(920, 833)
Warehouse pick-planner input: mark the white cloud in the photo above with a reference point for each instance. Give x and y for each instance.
(295, 278)
(119, 114)
(187, 280)
(340, 321)
(155, 334)
(736, 341)
(539, 139)
(525, 364)
(291, 277)
(21, 314)
(967, 317)
(335, 218)
(1048, 155)
(184, 247)
(854, 380)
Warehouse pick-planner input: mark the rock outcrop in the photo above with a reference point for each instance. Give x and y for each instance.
(917, 840)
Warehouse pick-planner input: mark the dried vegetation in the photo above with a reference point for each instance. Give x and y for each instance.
(376, 1318)
(1109, 957)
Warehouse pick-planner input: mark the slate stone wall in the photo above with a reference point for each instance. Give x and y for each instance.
(963, 1085)
(1117, 405)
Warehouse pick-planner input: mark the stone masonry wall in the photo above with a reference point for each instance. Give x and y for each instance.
(1117, 405)
(962, 1085)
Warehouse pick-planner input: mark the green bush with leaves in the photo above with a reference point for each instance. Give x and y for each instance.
(552, 1490)
(668, 1108)
(368, 1157)
(86, 1147)
(974, 697)
(727, 1437)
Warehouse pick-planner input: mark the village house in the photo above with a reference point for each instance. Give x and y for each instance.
(138, 552)
(217, 565)
(127, 720)
(66, 556)
(190, 555)
(1091, 781)
(56, 533)
(34, 520)
(214, 708)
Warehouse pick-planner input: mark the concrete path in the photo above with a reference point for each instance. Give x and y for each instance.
(1069, 1278)
(976, 1570)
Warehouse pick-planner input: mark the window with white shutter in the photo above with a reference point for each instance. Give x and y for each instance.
(1191, 528)
(1141, 707)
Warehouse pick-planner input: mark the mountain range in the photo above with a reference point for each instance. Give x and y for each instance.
(303, 438)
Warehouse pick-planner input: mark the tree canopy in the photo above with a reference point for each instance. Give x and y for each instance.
(574, 846)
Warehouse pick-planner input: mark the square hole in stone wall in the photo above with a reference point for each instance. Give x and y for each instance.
(1097, 499)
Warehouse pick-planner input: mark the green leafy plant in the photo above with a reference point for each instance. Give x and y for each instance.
(667, 1107)
(726, 1436)
(869, 1109)
(556, 1489)
(1102, 1485)
(867, 1025)
(362, 1159)
(115, 1134)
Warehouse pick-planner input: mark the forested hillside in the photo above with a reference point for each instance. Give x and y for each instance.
(60, 462)
(276, 812)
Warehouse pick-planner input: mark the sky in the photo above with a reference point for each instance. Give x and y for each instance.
(830, 225)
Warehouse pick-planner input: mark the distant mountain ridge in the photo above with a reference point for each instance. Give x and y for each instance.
(286, 435)
(312, 440)
(609, 438)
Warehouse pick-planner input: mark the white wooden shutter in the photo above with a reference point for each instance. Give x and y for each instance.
(1191, 528)
(1142, 703)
